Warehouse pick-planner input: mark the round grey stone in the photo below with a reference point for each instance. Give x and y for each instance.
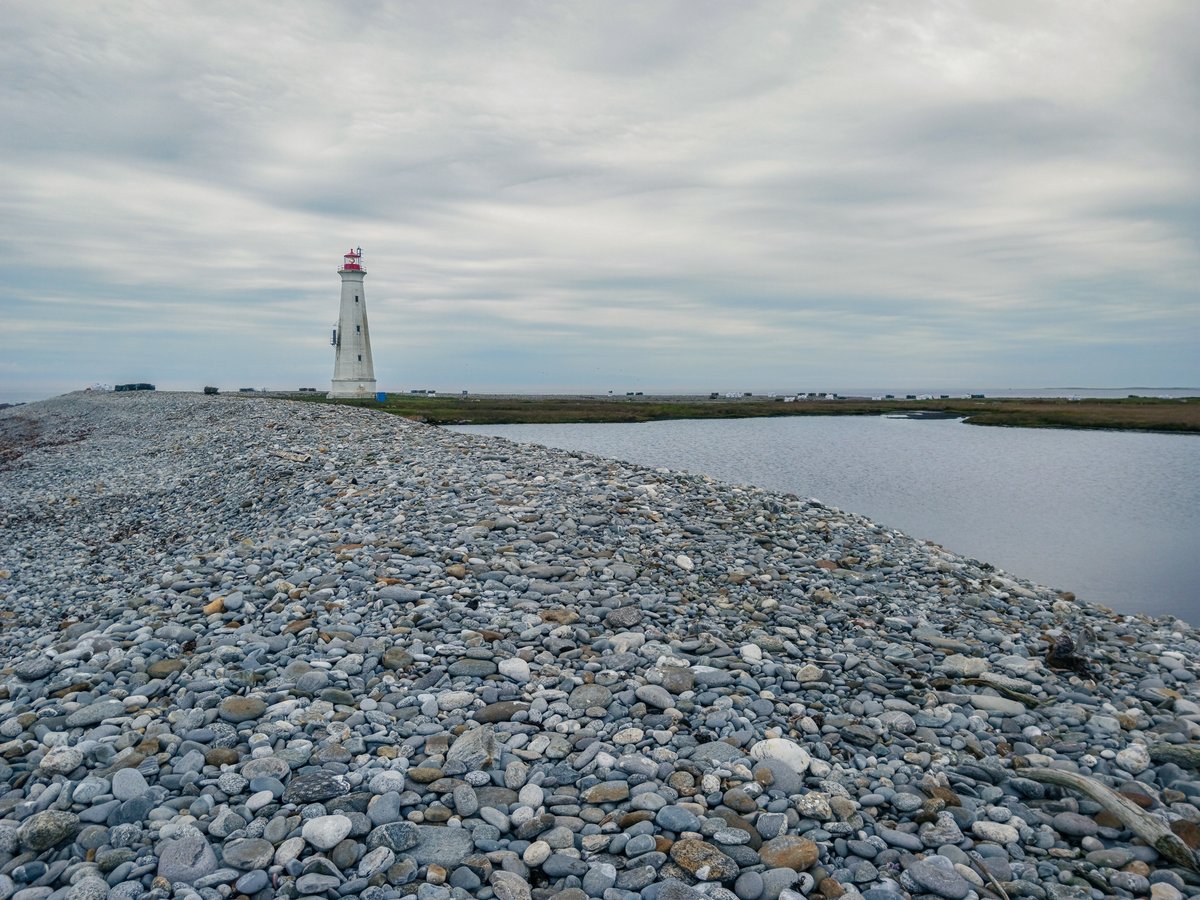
(128, 784)
(186, 859)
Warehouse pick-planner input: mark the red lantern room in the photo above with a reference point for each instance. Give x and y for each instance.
(352, 261)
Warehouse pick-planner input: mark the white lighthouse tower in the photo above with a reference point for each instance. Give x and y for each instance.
(353, 371)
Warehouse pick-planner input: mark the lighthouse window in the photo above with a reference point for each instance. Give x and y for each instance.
(358, 328)
(360, 357)
(356, 298)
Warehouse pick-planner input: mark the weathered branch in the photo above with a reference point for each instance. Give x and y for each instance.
(292, 457)
(1149, 827)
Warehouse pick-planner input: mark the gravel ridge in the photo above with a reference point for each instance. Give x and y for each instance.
(260, 648)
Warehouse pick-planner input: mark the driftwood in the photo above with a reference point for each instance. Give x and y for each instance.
(1186, 755)
(1149, 827)
(293, 457)
(1067, 652)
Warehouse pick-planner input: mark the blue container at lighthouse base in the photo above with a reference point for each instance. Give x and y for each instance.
(381, 396)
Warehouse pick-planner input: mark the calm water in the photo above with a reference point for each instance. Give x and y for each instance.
(1114, 517)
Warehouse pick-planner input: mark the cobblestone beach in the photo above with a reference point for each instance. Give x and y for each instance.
(255, 648)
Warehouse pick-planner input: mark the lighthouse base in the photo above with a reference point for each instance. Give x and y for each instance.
(352, 389)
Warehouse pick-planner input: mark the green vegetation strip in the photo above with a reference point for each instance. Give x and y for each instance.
(1132, 414)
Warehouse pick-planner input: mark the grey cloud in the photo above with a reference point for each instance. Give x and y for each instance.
(560, 195)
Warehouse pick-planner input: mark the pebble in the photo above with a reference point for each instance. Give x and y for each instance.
(129, 784)
(326, 832)
(300, 649)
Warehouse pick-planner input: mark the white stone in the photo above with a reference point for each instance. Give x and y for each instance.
(964, 666)
(61, 761)
(326, 832)
(387, 780)
(1019, 665)
(814, 805)
(531, 795)
(289, 850)
(809, 673)
(1001, 705)
(995, 832)
(375, 861)
(455, 700)
(783, 750)
(515, 668)
(627, 641)
(752, 653)
(536, 854)
(1134, 759)
(819, 769)
(628, 736)
(1163, 891)
(258, 800)
(1106, 724)
(684, 562)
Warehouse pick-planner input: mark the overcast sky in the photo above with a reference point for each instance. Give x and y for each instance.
(565, 196)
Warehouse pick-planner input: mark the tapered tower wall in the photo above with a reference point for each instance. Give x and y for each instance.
(353, 368)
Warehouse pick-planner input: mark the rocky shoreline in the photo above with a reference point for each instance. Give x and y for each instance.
(267, 649)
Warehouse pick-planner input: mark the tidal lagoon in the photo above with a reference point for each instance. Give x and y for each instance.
(1113, 517)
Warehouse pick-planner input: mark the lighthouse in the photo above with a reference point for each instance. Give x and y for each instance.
(353, 371)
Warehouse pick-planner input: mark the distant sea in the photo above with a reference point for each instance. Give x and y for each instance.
(1098, 393)
(13, 395)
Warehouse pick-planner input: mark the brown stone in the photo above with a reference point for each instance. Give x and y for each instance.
(439, 744)
(164, 667)
(458, 570)
(241, 709)
(437, 813)
(843, 808)
(1188, 832)
(149, 745)
(831, 888)
(1138, 798)
(501, 711)
(683, 782)
(677, 680)
(221, 756)
(606, 792)
(425, 774)
(559, 616)
(703, 861)
(827, 564)
(629, 819)
(947, 796)
(789, 851)
(216, 606)
(396, 658)
(129, 761)
(739, 801)
(296, 626)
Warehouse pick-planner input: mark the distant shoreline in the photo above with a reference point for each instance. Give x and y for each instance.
(1145, 414)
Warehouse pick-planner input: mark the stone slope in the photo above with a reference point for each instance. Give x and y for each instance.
(262, 648)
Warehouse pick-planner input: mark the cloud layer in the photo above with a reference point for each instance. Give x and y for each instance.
(660, 196)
